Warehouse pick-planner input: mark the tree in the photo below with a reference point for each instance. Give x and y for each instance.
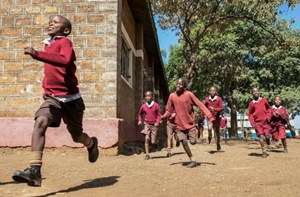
(240, 44)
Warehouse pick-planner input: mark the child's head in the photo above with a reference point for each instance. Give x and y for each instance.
(277, 101)
(255, 93)
(213, 91)
(148, 96)
(59, 26)
(180, 84)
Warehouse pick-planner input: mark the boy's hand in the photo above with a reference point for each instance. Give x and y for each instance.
(140, 122)
(29, 51)
(156, 125)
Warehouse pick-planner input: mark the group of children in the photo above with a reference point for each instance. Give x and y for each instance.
(62, 100)
(180, 117)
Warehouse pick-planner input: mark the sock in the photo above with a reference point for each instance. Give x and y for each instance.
(36, 158)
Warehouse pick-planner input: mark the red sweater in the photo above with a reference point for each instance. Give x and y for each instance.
(151, 113)
(223, 122)
(281, 118)
(59, 67)
(259, 111)
(183, 104)
(216, 103)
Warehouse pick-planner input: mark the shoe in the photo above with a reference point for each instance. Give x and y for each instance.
(264, 155)
(177, 143)
(147, 157)
(209, 140)
(169, 155)
(218, 147)
(268, 141)
(286, 151)
(93, 151)
(192, 164)
(32, 176)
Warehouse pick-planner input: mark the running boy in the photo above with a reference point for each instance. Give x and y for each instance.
(278, 122)
(223, 125)
(170, 131)
(259, 114)
(215, 105)
(183, 101)
(62, 99)
(150, 111)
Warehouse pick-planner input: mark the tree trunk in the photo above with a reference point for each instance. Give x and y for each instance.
(232, 103)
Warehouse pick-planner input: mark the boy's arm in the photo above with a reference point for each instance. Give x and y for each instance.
(63, 58)
(202, 107)
(269, 110)
(284, 114)
(250, 114)
(220, 105)
(158, 115)
(168, 109)
(140, 115)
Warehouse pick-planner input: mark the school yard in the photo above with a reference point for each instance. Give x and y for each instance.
(238, 170)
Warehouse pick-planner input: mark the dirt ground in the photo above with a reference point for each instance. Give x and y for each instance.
(237, 170)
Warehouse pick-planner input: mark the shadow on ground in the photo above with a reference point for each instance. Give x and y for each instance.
(94, 183)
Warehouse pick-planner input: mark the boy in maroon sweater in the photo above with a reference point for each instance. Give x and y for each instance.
(215, 105)
(150, 111)
(183, 101)
(259, 114)
(62, 99)
(278, 122)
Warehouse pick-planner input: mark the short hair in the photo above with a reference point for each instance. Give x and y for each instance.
(67, 22)
(183, 81)
(148, 92)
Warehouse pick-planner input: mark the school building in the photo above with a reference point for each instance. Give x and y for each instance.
(118, 58)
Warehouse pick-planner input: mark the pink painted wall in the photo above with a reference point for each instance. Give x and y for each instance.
(16, 132)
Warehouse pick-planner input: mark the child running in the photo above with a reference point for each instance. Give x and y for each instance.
(62, 99)
(183, 101)
(215, 105)
(259, 114)
(170, 131)
(278, 122)
(150, 112)
(223, 125)
(200, 126)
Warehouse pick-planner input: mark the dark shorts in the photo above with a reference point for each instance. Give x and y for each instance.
(71, 113)
(263, 128)
(279, 133)
(151, 132)
(190, 134)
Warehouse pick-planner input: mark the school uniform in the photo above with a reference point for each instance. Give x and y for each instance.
(278, 122)
(185, 117)
(151, 114)
(259, 114)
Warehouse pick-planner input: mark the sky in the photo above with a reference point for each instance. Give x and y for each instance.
(168, 37)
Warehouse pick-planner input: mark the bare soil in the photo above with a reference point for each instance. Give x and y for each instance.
(237, 170)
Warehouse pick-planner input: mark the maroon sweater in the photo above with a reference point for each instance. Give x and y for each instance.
(59, 67)
(183, 104)
(281, 118)
(259, 111)
(216, 103)
(151, 114)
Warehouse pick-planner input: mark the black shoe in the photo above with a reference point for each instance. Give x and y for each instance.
(93, 151)
(209, 140)
(268, 141)
(192, 164)
(177, 143)
(218, 147)
(32, 176)
(147, 157)
(169, 155)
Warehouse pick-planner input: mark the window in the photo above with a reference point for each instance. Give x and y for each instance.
(126, 62)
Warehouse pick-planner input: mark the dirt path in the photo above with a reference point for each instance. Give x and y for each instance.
(238, 170)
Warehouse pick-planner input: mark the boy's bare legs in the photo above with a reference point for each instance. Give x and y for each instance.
(262, 144)
(284, 145)
(147, 141)
(216, 127)
(169, 145)
(210, 125)
(189, 153)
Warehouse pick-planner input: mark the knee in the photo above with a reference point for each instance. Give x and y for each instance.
(147, 140)
(41, 123)
(193, 142)
(184, 142)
